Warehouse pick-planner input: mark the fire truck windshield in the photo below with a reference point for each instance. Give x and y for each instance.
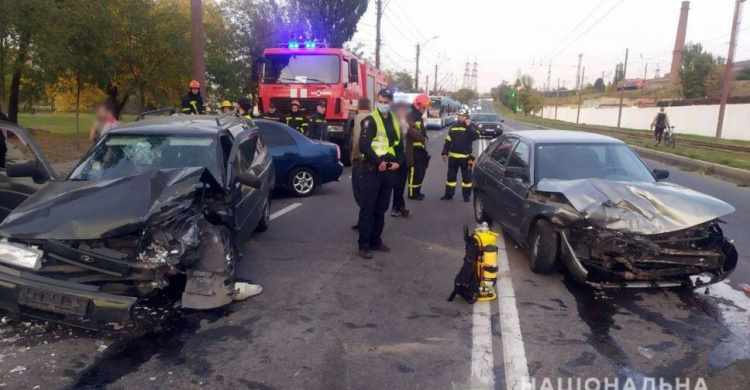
(302, 69)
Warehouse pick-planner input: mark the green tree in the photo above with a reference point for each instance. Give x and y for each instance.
(464, 95)
(501, 93)
(401, 81)
(599, 85)
(334, 21)
(700, 72)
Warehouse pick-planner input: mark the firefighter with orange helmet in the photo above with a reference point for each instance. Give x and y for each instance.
(417, 158)
(192, 104)
(297, 120)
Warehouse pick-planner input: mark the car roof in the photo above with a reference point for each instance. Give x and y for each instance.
(177, 124)
(565, 137)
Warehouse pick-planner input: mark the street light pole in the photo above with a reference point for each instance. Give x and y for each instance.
(416, 74)
(622, 91)
(727, 82)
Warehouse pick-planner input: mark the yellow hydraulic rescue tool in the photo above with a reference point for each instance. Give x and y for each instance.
(478, 275)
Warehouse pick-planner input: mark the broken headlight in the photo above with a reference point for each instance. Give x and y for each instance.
(20, 255)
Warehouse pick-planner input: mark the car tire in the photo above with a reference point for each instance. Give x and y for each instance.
(302, 182)
(545, 242)
(265, 219)
(479, 213)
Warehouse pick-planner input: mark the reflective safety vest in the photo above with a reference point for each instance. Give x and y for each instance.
(380, 144)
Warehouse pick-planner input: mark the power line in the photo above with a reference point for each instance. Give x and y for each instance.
(574, 29)
(589, 29)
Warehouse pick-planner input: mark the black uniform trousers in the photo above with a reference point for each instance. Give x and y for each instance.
(357, 184)
(417, 172)
(399, 186)
(376, 188)
(450, 186)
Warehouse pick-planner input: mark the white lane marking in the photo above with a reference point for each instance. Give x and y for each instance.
(481, 347)
(514, 352)
(285, 210)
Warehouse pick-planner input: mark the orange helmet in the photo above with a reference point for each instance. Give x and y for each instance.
(422, 101)
(194, 84)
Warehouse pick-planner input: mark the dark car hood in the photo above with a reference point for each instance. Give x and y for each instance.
(645, 208)
(81, 210)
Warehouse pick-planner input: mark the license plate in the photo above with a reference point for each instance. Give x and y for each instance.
(52, 301)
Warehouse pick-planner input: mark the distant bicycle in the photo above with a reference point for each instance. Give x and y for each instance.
(669, 137)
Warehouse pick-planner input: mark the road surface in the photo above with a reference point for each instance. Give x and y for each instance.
(331, 320)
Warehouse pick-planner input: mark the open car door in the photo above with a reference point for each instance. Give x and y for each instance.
(20, 151)
(249, 180)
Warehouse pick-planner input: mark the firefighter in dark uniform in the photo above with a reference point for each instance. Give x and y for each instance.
(417, 157)
(296, 119)
(457, 151)
(192, 103)
(318, 128)
(272, 114)
(380, 143)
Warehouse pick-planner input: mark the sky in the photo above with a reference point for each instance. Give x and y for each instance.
(505, 36)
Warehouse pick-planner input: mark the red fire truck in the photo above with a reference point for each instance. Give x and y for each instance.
(309, 72)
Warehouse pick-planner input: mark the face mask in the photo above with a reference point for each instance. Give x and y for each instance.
(383, 108)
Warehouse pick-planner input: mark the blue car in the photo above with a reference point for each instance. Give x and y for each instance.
(301, 164)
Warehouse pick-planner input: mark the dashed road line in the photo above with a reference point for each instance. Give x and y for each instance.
(285, 210)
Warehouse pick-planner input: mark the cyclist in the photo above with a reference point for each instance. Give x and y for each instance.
(660, 122)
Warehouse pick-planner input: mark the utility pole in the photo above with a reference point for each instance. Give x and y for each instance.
(198, 44)
(557, 101)
(622, 91)
(580, 95)
(416, 74)
(645, 73)
(544, 96)
(726, 84)
(426, 83)
(434, 83)
(578, 72)
(378, 15)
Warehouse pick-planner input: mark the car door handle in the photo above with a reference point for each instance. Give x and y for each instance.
(288, 154)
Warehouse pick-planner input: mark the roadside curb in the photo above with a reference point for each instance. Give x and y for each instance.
(736, 175)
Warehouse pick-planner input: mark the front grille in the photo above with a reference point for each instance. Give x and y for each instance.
(284, 105)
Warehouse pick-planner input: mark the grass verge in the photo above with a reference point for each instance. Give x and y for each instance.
(727, 158)
(56, 134)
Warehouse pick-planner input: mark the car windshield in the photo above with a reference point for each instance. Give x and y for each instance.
(302, 69)
(583, 161)
(487, 118)
(128, 155)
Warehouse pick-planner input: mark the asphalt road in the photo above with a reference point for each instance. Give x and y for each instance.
(330, 320)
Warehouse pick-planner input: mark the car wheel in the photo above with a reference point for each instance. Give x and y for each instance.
(544, 244)
(302, 182)
(479, 213)
(265, 219)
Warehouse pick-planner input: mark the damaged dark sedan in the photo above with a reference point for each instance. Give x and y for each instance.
(151, 201)
(589, 202)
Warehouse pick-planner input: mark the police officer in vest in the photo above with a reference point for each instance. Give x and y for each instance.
(318, 129)
(380, 143)
(456, 151)
(272, 114)
(296, 119)
(417, 157)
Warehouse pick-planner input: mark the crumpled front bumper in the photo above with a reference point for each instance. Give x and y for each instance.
(32, 294)
(581, 273)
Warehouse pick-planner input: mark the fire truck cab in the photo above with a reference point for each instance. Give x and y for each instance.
(309, 72)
